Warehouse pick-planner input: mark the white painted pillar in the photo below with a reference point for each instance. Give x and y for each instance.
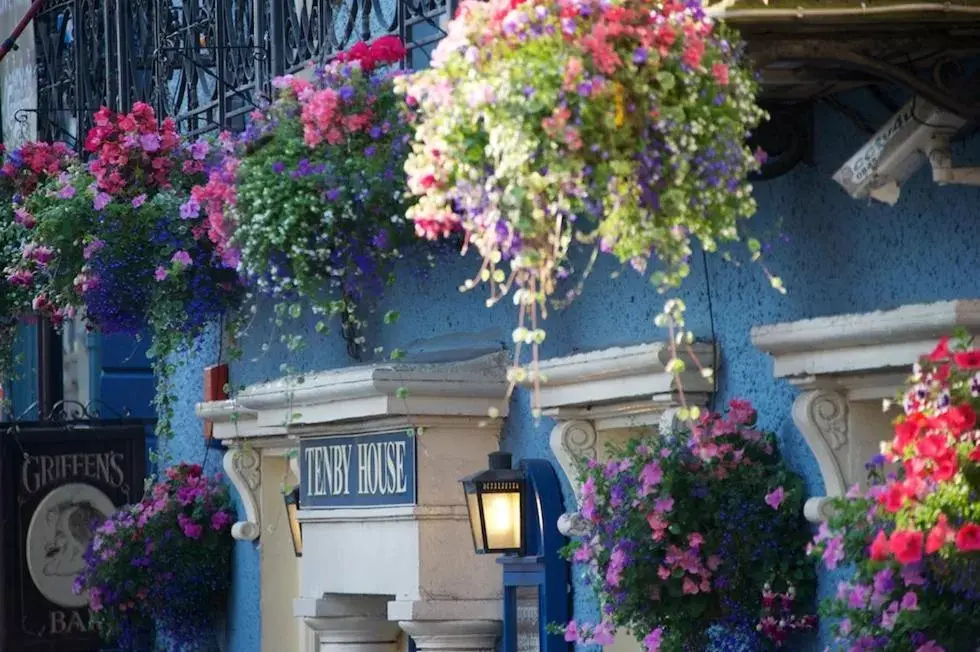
(348, 623)
(453, 635)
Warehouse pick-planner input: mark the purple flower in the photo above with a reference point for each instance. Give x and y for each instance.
(101, 200)
(639, 56)
(66, 192)
(858, 597)
(278, 167)
(333, 194)
(190, 209)
(833, 554)
(150, 142)
(776, 497)
(160, 274)
(200, 149)
(92, 248)
(138, 200)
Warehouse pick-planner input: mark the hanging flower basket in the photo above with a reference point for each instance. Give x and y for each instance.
(165, 561)
(111, 240)
(23, 169)
(312, 206)
(695, 540)
(544, 125)
(914, 535)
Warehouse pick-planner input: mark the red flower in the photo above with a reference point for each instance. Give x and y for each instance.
(968, 538)
(938, 535)
(932, 446)
(975, 454)
(967, 359)
(906, 432)
(941, 352)
(388, 49)
(959, 418)
(894, 498)
(906, 545)
(946, 466)
(879, 547)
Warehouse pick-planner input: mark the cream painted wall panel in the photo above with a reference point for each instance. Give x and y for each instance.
(279, 568)
(344, 549)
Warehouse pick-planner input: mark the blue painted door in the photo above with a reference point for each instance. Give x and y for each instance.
(122, 379)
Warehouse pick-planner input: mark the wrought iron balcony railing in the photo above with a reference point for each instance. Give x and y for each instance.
(207, 63)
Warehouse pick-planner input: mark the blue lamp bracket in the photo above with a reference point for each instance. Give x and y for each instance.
(541, 566)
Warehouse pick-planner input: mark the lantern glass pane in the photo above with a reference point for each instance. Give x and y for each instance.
(502, 512)
(473, 508)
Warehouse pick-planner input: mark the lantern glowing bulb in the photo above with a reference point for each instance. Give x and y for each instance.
(495, 502)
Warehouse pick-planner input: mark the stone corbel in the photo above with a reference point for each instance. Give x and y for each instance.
(243, 465)
(845, 365)
(822, 418)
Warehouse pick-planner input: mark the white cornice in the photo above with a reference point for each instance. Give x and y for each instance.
(620, 376)
(859, 343)
(599, 398)
(465, 388)
(842, 363)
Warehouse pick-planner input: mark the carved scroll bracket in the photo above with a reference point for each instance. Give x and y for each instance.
(822, 417)
(244, 468)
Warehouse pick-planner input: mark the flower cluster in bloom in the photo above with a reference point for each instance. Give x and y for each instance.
(133, 153)
(684, 532)
(311, 204)
(29, 165)
(22, 171)
(546, 123)
(779, 615)
(165, 560)
(115, 241)
(914, 534)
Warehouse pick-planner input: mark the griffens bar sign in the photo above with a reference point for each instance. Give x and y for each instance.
(358, 471)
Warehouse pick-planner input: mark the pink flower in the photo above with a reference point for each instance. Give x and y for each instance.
(931, 646)
(910, 601)
(603, 634)
(190, 529)
(690, 587)
(21, 277)
(654, 640)
(220, 520)
(182, 258)
(650, 477)
(776, 497)
(138, 200)
(160, 274)
(66, 192)
(91, 248)
(571, 629)
(663, 505)
(24, 218)
(833, 554)
(695, 539)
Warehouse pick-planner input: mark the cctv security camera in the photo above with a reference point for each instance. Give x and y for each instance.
(919, 132)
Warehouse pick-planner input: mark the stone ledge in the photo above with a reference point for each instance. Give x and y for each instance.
(846, 364)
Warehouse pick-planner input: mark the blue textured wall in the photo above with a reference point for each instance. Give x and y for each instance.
(843, 256)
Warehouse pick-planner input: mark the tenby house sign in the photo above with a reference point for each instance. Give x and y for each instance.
(376, 470)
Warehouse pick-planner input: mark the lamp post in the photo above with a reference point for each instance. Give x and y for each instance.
(295, 527)
(495, 503)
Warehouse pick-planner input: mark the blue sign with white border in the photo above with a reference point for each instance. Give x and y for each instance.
(376, 470)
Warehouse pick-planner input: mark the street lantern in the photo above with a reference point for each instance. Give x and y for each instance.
(295, 527)
(495, 502)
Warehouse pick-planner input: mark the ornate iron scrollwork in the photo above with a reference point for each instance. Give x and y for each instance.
(207, 63)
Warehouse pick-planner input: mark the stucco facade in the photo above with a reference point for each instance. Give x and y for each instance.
(839, 256)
